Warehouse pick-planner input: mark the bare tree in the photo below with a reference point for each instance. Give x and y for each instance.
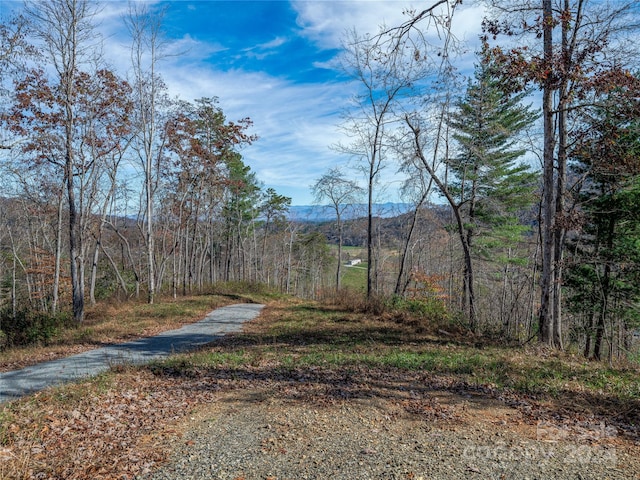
(342, 193)
(149, 94)
(69, 41)
(384, 79)
(418, 187)
(390, 66)
(415, 125)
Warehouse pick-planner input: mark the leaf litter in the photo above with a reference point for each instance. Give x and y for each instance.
(127, 425)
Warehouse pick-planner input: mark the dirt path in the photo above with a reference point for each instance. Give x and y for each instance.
(249, 423)
(250, 407)
(252, 434)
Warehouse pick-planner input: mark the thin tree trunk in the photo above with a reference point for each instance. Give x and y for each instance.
(400, 283)
(123, 284)
(14, 293)
(340, 234)
(58, 259)
(455, 207)
(589, 336)
(604, 293)
(370, 259)
(547, 224)
(468, 270)
(94, 271)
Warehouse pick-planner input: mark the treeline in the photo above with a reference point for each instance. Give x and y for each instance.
(536, 155)
(111, 188)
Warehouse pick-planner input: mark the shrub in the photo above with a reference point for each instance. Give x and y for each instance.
(347, 298)
(427, 309)
(29, 327)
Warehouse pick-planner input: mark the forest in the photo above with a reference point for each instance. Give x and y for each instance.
(523, 177)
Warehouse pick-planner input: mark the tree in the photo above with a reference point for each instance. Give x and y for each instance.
(203, 141)
(490, 187)
(342, 193)
(150, 99)
(313, 256)
(15, 50)
(65, 28)
(238, 213)
(418, 187)
(384, 78)
(391, 67)
(101, 118)
(580, 40)
(604, 261)
(483, 185)
(273, 210)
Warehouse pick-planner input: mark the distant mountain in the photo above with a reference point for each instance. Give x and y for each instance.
(326, 213)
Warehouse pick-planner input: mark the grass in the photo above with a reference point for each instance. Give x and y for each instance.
(310, 335)
(354, 277)
(312, 351)
(294, 334)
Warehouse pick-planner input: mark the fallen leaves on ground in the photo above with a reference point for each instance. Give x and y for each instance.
(124, 429)
(123, 425)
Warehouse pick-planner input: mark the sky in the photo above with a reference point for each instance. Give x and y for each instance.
(272, 61)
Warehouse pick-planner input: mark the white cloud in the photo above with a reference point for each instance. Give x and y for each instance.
(325, 22)
(194, 49)
(275, 43)
(264, 50)
(296, 123)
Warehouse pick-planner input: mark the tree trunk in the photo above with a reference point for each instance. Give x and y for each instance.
(589, 336)
(123, 284)
(400, 283)
(58, 260)
(340, 233)
(604, 293)
(370, 259)
(94, 271)
(546, 319)
(467, 270)
(151, 281)
(75, 240)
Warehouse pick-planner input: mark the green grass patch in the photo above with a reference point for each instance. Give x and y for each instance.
(310, 335)
(354, 277)
(300, 338)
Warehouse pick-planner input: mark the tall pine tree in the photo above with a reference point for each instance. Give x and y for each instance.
(487, 177)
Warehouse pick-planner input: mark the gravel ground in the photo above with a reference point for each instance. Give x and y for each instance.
(250, 435)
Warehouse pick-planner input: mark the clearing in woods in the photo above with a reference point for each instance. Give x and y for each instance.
(310, 390)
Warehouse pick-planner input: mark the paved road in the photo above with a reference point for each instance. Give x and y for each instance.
(28, 380)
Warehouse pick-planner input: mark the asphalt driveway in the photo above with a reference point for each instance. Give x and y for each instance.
(18, 383)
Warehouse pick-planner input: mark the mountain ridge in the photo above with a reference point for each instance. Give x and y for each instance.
(325, 213)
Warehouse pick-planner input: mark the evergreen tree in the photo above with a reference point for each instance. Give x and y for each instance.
(489, 182)
(239, 212)
(604, 265)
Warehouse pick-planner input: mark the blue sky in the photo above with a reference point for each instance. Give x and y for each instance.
(273, 61)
